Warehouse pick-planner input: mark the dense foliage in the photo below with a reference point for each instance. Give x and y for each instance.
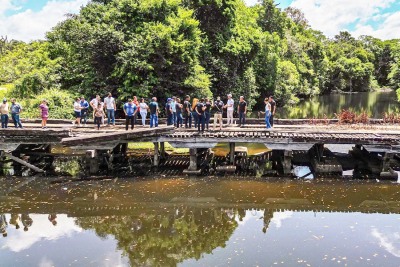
(197, 47)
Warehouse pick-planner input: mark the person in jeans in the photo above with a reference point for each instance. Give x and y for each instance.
(154, 110)
(16, 109)
(178, 108)
(143, 111)
(273, 109)
(169, 112)
(187, 113)
(194, 113)
(200, 108)
(111, 107)
(207, 112)
(84, 110)
(136, 102)
(173, 107)
(229, 109)
(130, 110)
(242, 110)
(98, 115)
(4, 114)
(218, 106)
(267, 113)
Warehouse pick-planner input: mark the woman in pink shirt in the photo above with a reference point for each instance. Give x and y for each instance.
(44, 113)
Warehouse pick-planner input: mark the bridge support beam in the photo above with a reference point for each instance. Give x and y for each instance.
(162, 150)
(156, 161)
(287, 162)
(232, 153)
(323, 161)
(92, 161)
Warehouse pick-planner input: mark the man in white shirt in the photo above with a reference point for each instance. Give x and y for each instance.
(111, 107)
(229, 109)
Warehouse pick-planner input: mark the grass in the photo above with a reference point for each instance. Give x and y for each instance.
(150, 146)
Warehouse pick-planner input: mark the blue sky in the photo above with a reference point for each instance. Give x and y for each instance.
(29, 19)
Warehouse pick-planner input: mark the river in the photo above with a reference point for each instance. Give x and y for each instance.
(374, 103)
(199, 222)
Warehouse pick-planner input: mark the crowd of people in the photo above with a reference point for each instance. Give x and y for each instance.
(186, 113)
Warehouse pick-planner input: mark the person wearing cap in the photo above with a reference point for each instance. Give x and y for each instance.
(16, 109)
(242, 110)
(84, 111)
(218, 106)
(229, 109)
(169, 112)
(154, 111)
(4, 113)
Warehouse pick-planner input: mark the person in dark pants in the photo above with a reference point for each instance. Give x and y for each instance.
(84, 110)
(130, 112)
(169, 112)
(98, 115)
(4, 113)
(187, 114)
(178, 108)
(273, 109)
(194, 112)
(207, 112)
(15, 111)
(200, 108)
(242, 110)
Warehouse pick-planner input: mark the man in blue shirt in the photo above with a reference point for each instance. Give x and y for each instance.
(130, 110)
(15, 111)
(154, 110)
(84, 110)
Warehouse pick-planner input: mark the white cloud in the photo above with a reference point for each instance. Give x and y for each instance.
(281, 216)
(389, 242)
(29, 25)
(333, 16)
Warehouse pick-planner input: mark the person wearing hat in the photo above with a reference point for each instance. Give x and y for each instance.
(218, 106)
(16, 109)
(4, 113)
(229, 109)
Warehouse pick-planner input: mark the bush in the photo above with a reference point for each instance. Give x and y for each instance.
(59, 102)
(398, 94)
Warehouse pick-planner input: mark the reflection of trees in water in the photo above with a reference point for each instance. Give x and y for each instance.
(165, 239)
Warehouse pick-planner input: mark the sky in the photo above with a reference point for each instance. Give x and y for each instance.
(29, 20)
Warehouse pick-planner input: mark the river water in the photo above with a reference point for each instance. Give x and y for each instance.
(374, 103)
(199, 222)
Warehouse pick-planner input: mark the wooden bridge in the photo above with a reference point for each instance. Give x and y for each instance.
(378, 148)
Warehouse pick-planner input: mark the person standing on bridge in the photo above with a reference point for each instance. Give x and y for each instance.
(44, 113)
(267, 113)
(130, 110)
(229, 109)
(136, 102)
(77, 112)
(143, 111)
(218, 107)
(207, 112)
(98, 115)
(111, 107)
(16, 109)
(169, 112)
(84, 110)
(179, 108)
(187, 114)
(94, 103)
(154, 111)
(4, 113)
(242, 110)
(273, 109)
(200, 108)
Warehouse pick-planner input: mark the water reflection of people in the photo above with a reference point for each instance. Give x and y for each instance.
(14, 220)
(26, 221)
(268, 215)
(3, 225)
(52, 218)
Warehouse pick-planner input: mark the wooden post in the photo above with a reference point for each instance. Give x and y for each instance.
(287, 162)
(20, 161)
(93, 161)
(193, 159)
(156, 161)
(232, 153)
(162, 150)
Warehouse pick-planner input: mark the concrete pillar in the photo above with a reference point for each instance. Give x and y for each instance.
(156, 161)
(231, 153)
(193, 159)
(287, 162)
